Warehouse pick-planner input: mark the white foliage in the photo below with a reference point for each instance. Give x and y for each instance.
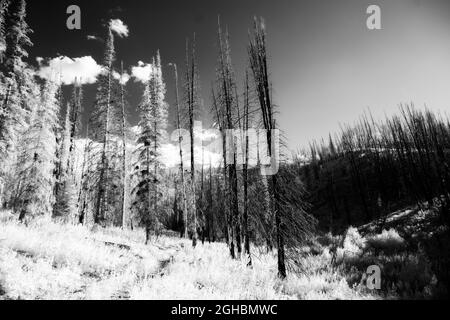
(37, 157)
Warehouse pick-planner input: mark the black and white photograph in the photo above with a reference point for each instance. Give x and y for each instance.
(251, 151)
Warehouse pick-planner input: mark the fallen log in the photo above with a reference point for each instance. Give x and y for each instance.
(112, 244)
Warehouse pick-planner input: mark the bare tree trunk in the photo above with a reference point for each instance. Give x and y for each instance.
(155, 181)
(124, 153)
(149, 199)
(180, 140)
(83, 184)
(200, 204)
(229, 104)
(210, 206)
(191, 106)
(74, 130)
(280, 237)
(228, 215)
(232, 176)
(102, 198)
(245, 172)
(258, 62)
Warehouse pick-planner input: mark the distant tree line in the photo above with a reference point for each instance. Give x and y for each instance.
(374, 168)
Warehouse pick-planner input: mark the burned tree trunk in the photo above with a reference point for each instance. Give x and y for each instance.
(180, 141)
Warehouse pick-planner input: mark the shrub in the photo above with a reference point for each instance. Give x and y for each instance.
(354, 243)
(388, 242)
(407, 275)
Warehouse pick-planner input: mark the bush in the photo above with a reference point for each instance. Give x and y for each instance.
(408, 275)
(354, 243)
(437, 249)
(388, 242)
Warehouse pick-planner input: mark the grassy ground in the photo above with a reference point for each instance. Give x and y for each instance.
(51, 261)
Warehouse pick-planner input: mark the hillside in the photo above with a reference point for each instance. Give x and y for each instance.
(51, 261)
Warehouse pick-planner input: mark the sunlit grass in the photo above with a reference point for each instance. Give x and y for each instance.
(46, 260)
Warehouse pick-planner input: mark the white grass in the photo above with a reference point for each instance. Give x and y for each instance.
(52, 261)
(388, 240)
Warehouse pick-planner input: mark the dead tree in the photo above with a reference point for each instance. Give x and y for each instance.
(104, 106)
(228, 104)
(228, 215)
(180, 145)
(192, 102)
(245, 170)
(259, 66)
(84, 184)
(124, 149)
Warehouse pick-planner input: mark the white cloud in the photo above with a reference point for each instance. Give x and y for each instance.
(170, 156)
(123, 79)
(141, 72)
(119, 27)
(85, 69)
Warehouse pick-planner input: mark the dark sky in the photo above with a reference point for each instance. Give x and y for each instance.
(327, 67)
